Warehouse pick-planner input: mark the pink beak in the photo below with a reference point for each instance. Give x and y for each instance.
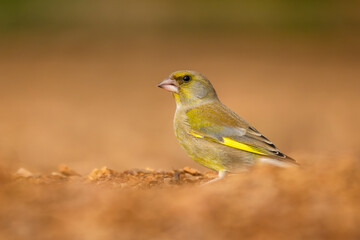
(169, 85)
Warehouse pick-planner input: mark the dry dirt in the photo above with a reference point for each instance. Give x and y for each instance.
(317, 202)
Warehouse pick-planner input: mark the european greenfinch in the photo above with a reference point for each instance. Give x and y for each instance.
(211, 133)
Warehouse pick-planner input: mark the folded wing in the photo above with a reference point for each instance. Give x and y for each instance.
(217, 123)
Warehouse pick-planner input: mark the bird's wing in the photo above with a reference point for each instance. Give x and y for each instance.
(217, 123)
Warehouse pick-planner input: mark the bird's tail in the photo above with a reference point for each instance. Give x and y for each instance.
(280, 162)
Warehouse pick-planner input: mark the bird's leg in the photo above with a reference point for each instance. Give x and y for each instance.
(221, 175)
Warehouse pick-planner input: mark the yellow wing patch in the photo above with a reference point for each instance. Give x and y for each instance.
(235, 144)
(196, 135)
(242, 146)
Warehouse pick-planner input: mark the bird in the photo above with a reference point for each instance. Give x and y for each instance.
(211, 133)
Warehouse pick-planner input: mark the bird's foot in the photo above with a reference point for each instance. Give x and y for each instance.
(221, 175)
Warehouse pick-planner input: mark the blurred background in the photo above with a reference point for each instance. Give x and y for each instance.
(78, 86)
(78, 78)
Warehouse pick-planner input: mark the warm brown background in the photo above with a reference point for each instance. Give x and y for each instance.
(78, 87)
(89, 103)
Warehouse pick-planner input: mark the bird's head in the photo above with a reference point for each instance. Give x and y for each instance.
(189, 87)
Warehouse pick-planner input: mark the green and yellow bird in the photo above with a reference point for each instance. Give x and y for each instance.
(211, 133)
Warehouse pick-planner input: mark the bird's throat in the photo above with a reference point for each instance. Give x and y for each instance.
(177, 98)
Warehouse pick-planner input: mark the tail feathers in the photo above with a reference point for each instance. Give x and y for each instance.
(283, 162)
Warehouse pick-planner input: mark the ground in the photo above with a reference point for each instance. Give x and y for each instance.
(319, 201)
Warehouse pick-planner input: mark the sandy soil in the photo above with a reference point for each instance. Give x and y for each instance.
(317, 202)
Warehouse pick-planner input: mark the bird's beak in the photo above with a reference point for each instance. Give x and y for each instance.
(169, 85)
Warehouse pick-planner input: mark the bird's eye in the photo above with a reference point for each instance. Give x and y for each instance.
(186, 78)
